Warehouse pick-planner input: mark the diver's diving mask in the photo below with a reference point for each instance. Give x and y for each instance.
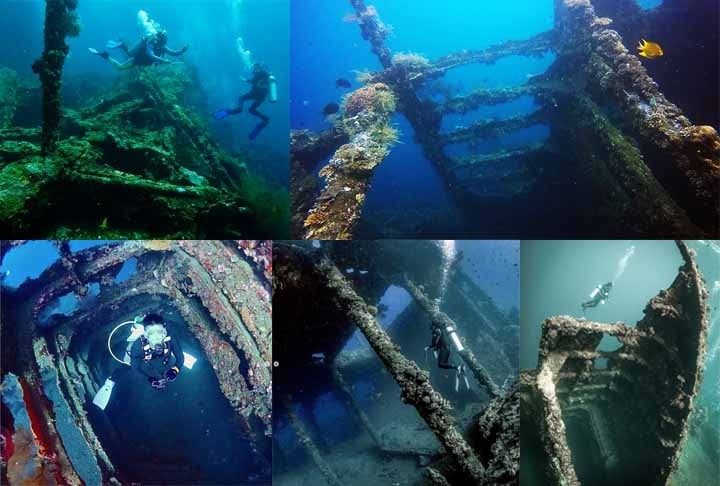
(155, 334)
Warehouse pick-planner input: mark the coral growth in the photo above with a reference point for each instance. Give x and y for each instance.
(142, 143)
(411, 60)
(365, 119)
(157, 245)
(373, 98)
(61, 21)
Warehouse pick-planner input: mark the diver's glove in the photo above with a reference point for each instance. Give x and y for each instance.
(172, 373)
(220, 114)
(184, 49)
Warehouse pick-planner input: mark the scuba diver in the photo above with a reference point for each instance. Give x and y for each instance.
(262, 86)
(598, 296)
(150, 351)
(441, 349)
(150, 50)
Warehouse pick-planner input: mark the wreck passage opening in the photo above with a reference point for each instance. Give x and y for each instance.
(205, 426)
(340, 402)
(185, 432)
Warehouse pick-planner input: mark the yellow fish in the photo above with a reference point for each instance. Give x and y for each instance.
(651, 50)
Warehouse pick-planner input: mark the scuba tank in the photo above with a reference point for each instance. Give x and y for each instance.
(273, 90)
(454, 338)
(595, 292)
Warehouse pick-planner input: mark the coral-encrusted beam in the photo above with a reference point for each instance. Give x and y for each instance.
(60, 22)
(685, 158)
(365, 118)
(414, 383)
(373, 30)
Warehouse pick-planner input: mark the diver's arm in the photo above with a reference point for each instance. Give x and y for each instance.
(177, 351)
(435, 344)
(176, 52)
(150, 52)
(137, 358)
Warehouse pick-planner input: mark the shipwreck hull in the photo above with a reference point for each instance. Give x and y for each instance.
(630, 406)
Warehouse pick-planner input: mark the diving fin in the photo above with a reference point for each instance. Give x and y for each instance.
(189, 361)
(220, 114)
(102, 54)
(461, 372)
(102, 397)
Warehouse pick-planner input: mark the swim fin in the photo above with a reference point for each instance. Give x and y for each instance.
(102, 397)
(220, 114)
(102, 54)
(189, 361)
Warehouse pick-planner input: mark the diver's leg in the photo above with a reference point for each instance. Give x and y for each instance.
(253, 110)
(242, 100)
(444, 359)
(119, 373)
(264, 120)
(122, 66)
(128, 64)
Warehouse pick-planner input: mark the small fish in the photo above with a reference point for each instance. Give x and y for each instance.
(651, 50)
(342, 83)
(330, 109)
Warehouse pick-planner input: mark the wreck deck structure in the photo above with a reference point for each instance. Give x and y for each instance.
(309, 342)
(55, 362)
(619, 152)
(621, 416)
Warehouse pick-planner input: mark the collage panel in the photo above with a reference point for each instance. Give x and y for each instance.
(395, 362)
(144, 119)
(620, 362)
(524, 119)
(136, 362)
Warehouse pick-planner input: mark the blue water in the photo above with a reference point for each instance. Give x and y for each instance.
(329, 48)
(494, 265)
(209, 27)
(27, 261)
(34, 257)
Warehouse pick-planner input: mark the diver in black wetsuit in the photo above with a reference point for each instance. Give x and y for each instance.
(261, 86)
(598, 296)
(150, 50)
(150, 356)
(440, 347)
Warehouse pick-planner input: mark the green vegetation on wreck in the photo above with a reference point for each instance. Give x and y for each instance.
(136, 161)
